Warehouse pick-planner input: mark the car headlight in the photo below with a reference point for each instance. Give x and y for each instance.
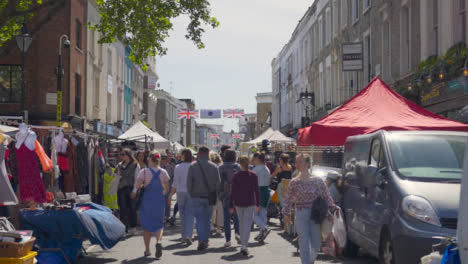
(420, 209)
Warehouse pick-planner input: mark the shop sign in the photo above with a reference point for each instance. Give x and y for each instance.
(51, 98)
(352, 56)
(433, 94)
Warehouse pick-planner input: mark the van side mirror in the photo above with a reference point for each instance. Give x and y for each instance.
(374, 177)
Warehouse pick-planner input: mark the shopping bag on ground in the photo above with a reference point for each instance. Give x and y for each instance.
(433, 258)
(329, 247)
(339, 229)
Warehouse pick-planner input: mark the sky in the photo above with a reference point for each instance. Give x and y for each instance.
(236, 62)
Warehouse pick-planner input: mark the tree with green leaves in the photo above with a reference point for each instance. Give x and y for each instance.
(142, 24)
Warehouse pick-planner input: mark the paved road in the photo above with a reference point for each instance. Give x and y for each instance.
(276, 250)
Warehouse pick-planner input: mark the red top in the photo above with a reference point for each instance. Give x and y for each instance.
(377, 107)
(244, 190)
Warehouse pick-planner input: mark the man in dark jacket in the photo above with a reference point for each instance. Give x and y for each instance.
(226, 171)
(202, 181)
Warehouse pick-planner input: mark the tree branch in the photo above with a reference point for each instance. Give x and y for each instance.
(35, 8)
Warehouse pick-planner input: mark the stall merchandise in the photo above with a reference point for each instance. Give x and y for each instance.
(7, 195)
(60, 233)
(377, 107)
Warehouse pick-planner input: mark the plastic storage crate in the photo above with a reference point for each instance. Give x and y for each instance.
(28, 259)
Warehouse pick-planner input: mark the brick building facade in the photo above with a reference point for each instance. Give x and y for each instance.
(42, 59)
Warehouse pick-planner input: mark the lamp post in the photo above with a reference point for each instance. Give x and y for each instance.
(63, 42)
(23, 41)
(307, 98)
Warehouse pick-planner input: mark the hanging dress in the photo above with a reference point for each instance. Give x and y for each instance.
(153, 205)
(7, 196)
(31, 187)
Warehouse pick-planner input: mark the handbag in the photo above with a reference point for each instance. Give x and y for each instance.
(140, 193)
(212, 197)
(319, 210)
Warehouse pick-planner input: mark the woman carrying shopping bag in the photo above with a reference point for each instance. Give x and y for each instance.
(303, 191)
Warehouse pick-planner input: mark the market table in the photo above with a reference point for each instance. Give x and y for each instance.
(60, 233)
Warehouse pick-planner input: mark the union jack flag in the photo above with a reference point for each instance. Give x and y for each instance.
(233, 113)
(238, 136)
(214, 135)
(188, 114)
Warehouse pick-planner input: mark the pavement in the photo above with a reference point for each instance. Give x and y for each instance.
(276, 249)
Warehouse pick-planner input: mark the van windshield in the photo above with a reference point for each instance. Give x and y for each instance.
(428, 157)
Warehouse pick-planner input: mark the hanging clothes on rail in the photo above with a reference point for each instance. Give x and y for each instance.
(7, 195)
(111, 183)
(71, 177)
(83, 167)
(31, 186)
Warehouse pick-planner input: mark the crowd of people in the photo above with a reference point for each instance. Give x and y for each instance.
(215, 192)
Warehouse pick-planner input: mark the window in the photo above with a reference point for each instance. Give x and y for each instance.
(321, 84)
(78, 29)
(320, 33)
(435, 26)
(96, 92)
(405, 40)
(367, 57)
(367, 5)
(77, 94)
(109, 62)
(386, 50)
(109, 108)
(461, 23)
(328, 26)
(355, 10)
(377, 158)
(91, 42)
(315, 41)
(344, 13)
(336, 11)
(10, 84)
(119, 104)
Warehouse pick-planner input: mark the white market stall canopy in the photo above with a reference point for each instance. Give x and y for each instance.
(270, 135)
(177, 147)
(139, 132)
(9, 130)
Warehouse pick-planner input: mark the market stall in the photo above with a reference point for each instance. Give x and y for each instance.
(61, 232)
(139, 132)
(377, 107)
(270, 135)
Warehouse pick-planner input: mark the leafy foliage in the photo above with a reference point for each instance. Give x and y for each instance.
(141, 24)
(450, 64)
(145, 24)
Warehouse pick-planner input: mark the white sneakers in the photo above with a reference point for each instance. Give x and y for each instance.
(227, 244)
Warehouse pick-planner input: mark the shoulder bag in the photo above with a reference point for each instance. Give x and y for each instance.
(211, 194)
(140, 193)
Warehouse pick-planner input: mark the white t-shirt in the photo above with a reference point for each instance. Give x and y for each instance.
(146, 176)
(180, 177)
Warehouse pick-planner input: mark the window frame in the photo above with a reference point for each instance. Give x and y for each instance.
(79, 34)
(11, 93)
(366, 6)
(355, 11)
(78, 89)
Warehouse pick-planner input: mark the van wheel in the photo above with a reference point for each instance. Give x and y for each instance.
(387, 254)
(351, 250)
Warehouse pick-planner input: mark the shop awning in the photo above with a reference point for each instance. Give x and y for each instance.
(377, 107)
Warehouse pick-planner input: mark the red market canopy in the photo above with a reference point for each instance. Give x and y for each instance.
(377, 107)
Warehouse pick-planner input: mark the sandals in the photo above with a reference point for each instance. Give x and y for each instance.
(147, 254)
(158, 251)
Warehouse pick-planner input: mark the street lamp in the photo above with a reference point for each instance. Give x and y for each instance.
(63, 42)
(307, 99)
(23, 41)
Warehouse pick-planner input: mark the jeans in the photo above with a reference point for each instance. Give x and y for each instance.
(260, 218)
(227, 221)
(202, 212)
(309, 236)
(127, 211)
(186, 214)
(245, 222)
(176, 210)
